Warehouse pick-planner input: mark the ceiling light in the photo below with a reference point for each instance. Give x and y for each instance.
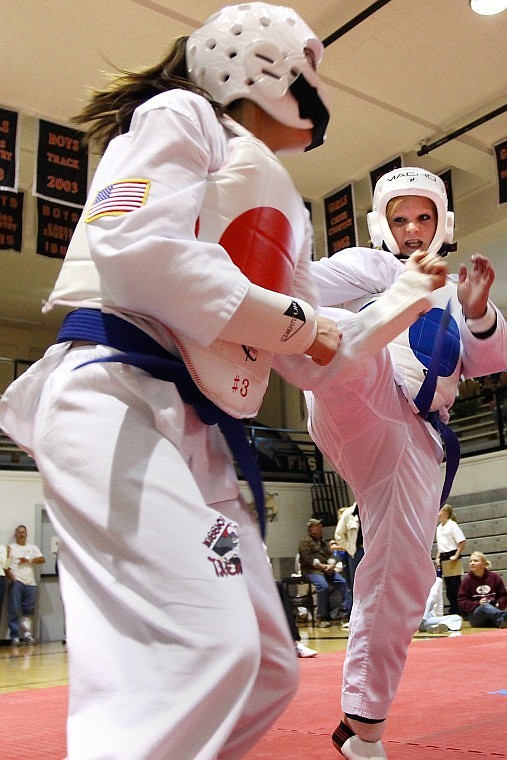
(488, 7)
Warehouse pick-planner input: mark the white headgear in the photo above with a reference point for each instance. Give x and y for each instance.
(409, 180)
(257, 51)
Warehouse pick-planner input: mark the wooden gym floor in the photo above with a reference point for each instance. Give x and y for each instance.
(44, 665)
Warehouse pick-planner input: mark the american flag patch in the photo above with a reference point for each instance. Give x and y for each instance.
(119, 198)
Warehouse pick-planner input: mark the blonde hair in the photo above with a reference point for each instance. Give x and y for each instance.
(109, 110)
(449, 511)
(485, 561)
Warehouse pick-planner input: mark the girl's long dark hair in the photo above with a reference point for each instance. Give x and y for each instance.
(110, 110)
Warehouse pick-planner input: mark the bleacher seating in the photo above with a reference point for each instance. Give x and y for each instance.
(476, 427)
(329, 494)
(11, 457)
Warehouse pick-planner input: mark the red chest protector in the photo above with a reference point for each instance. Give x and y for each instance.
(253, 210)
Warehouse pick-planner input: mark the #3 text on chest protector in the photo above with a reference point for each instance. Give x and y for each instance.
(253, 210)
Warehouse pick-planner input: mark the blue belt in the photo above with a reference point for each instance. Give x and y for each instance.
(139, 350)
(423, 401)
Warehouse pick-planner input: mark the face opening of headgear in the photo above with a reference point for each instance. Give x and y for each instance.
(410, 180)
(260, 52)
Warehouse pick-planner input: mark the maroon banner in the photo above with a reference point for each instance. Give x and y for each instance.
(501, 163)
(376, 174)
(11, 221)
(62, 164)
(340, 220)
(55, 226)
(8, 150)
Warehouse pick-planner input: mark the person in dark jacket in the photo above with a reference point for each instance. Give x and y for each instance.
(319, 566)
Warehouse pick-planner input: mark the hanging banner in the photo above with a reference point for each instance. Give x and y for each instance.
(340, 220)
(62, 165)
(376, 174)
(55, 226)
(446, 178)
(9, 150)
(501, 163)
(11, 221)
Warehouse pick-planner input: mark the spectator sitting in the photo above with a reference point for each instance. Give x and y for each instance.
(482, 596)
(433, 620)
(319, 566)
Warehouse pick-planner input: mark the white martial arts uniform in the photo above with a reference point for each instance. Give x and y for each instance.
(368, 427)
(176, 648)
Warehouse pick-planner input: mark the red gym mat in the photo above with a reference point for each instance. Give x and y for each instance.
(451, 705)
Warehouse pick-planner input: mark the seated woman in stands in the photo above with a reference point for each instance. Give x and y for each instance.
(482, 596)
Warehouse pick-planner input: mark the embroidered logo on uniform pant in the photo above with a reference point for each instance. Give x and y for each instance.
(223, 540)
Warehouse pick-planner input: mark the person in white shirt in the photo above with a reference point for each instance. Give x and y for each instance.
(450, 544)
(349, 537)
(3, 581)
(21, 558)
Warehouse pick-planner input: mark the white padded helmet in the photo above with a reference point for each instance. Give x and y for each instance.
(410, 180)
(257, 51)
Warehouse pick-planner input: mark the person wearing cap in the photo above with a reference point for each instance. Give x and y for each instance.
(382, 428)
(319, 566)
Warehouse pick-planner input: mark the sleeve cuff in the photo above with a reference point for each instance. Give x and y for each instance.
(484, 323)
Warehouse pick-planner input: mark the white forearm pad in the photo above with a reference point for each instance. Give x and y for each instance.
(383, 320)
(364, 333)
(272, 321)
